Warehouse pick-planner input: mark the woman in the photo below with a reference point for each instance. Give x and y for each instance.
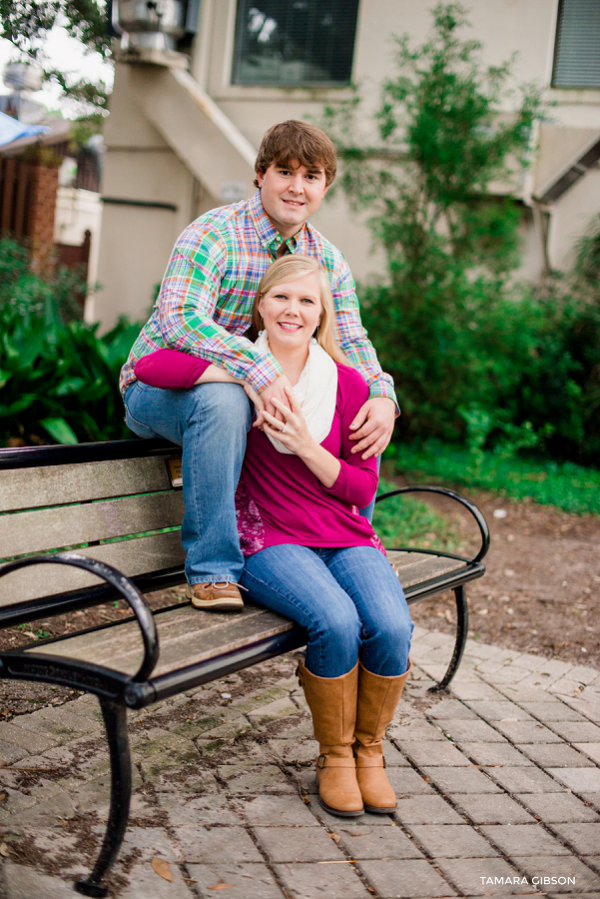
(309, 554)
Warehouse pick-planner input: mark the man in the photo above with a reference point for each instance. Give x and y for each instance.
(204, 308)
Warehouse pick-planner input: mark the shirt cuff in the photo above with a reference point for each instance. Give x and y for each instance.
(384, 387)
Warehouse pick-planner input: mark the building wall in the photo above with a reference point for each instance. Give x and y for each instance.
(140, 163)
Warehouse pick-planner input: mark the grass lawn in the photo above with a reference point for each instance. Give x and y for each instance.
(566, 486)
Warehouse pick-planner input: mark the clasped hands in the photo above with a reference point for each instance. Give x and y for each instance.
(371, 428)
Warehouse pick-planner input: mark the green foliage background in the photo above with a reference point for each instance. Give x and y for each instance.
(477, 358)
(58, 378)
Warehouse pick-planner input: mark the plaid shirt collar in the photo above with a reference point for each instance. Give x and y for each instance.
(269, 237)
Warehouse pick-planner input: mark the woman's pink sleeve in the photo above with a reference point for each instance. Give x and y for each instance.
(170, 369)
(356, 483)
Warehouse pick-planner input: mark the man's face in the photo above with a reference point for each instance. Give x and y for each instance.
(291, 195)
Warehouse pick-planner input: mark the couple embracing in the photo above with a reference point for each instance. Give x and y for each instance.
(255, 362)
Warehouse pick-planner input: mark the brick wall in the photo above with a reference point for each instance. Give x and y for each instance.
(44, 186)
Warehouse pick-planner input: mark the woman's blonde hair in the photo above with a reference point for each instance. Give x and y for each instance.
(290, 268)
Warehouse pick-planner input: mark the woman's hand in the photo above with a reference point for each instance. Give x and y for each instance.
(296, 437)
(292, 431)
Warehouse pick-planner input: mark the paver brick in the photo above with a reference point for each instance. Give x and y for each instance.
(29, 741)
(23, 882)
(297, 844)
(434, 753)
(426, 810)
(306, 881)
(144, 882)
(207, 809)
(527, 732)
(411, 878)
(11, 753)
(554, 755)
(548, 869)
(552, 711)
(461, 780)
(584, 838)
(415, 730)
(491, 808)
(279, 810)
(205, 844)
(471, 876)
(559, 807)
(244, 881)
(451, 841)
(525, 780)
(591, 749)
(577, 731)
(578, 779)
(451, 708)
(474, 690)
(379, 842)
(498, 711)
(524, 840)
(406, 781)
(471, 730)
(495, 754)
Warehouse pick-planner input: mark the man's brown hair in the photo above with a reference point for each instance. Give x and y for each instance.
(294, 143)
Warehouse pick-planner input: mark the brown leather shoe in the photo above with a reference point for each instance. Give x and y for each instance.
(215, 596)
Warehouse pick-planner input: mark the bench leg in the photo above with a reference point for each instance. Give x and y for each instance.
(462, 628)
(115, 722)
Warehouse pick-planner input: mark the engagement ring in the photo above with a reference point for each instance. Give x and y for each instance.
(283, 430)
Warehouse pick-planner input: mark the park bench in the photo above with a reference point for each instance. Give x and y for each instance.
(83, 525)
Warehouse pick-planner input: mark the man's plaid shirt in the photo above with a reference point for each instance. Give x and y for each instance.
(206, 297)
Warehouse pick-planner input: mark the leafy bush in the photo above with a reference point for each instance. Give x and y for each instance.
(58, 378)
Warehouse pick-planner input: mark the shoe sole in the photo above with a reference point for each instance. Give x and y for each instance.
(374, 810)
(342, 813)
(229, 604)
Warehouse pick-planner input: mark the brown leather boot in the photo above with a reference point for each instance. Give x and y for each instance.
(332, 702)
(378, 697)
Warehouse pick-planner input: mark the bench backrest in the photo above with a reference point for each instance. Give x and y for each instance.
(115, 502)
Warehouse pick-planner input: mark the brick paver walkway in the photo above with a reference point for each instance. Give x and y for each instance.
(498, 786)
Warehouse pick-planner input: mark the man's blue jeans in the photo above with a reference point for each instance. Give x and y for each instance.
(210, 422)
(349, 600)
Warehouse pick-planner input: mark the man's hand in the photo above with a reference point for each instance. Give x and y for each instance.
(276, 390)
(373, 426)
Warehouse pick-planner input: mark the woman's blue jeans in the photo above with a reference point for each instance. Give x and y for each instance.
(349, 600)
(210, 422)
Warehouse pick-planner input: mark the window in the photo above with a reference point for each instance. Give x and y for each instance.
(577, 51)
(294, 43)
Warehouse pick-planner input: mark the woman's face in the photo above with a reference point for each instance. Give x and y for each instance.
(292, 311)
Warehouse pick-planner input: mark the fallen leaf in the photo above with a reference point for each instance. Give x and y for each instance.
(221, 885)
(161, 867)
(306, 800)
(335, 837)
(356, 833)
(3, 796)
(4, 850)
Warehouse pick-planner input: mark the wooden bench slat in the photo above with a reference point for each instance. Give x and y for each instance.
(415, 568)
(45, 529)
(29, 488)
(141, 555)
(186, 636)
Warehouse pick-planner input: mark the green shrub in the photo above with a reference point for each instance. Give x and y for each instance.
(58, 378)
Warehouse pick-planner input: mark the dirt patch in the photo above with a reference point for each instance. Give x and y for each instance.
(541, 590)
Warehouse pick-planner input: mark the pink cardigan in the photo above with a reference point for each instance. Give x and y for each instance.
(279, 500)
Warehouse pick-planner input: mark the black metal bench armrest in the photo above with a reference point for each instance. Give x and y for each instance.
(121, 584)
(471, 507)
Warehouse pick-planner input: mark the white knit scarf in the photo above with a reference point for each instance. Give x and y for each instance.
(316, 391)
